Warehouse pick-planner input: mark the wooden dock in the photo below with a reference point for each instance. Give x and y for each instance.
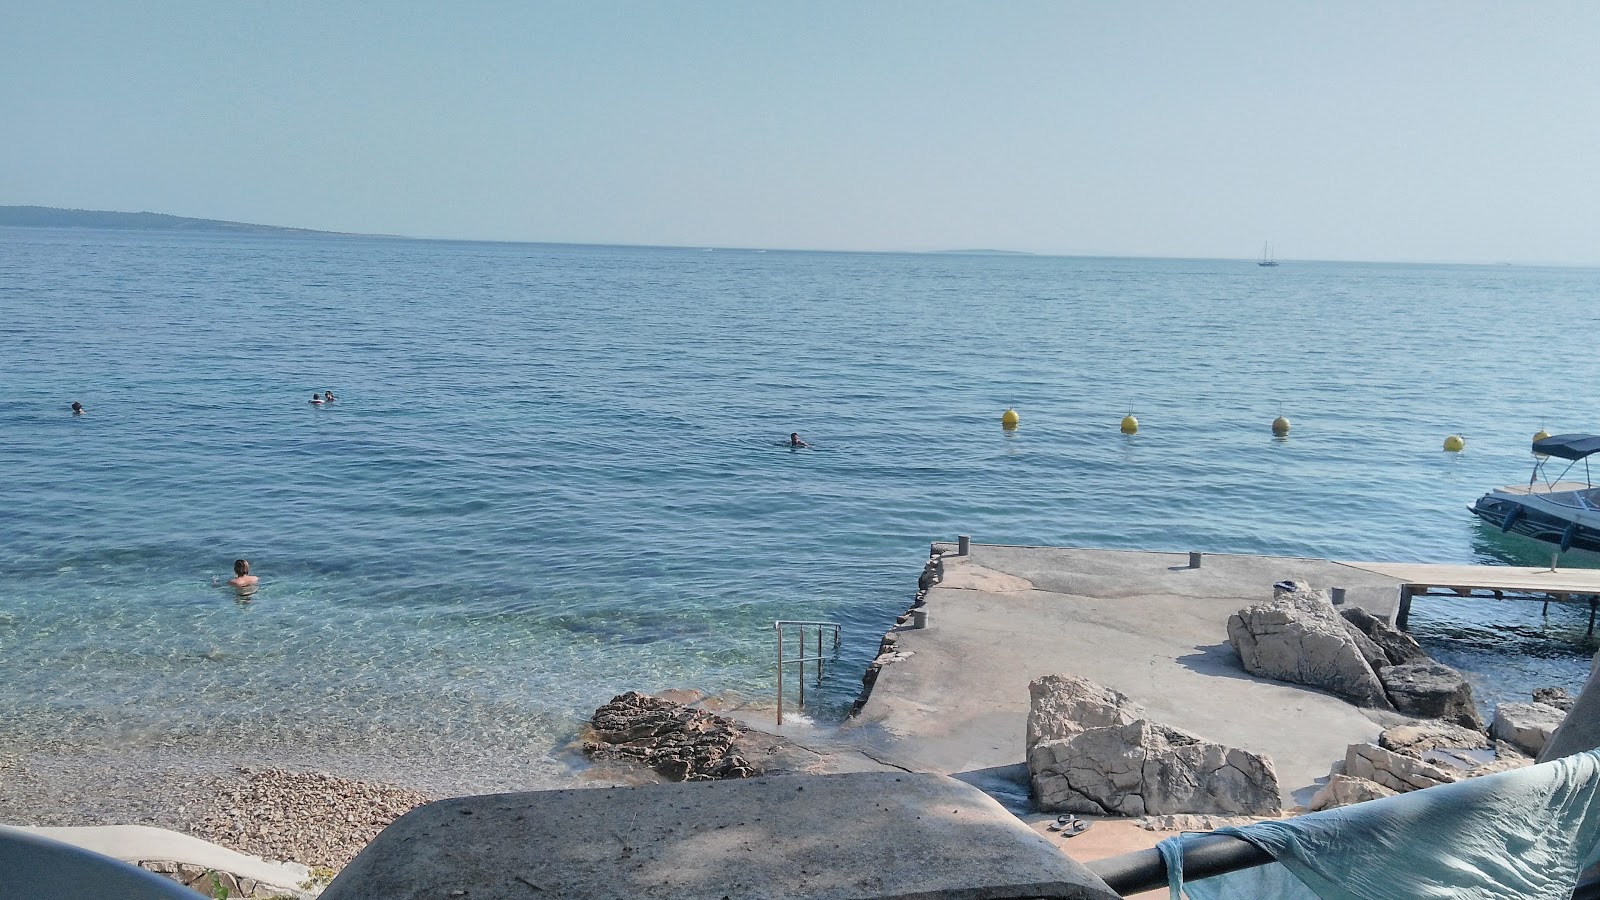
(1560, 585)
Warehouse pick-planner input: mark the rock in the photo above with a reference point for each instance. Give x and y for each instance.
(1370, 652)
(677, 741)
(1503, 764)
(1343, 790)
(1417, 739)
(1394, 771)
(159, 866)
(1144, 768)
(1189, 822)
(1554, 696)
(1432, 691)
(1398, 648)
(1061, 706)
(1299, 637)
(1580, 730)
(1527, 726)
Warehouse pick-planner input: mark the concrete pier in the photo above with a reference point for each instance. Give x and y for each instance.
(1147, 624)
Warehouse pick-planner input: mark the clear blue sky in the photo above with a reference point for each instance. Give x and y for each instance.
(1442, 131)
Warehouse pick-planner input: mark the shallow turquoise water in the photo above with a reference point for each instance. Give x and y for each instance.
(556, 472)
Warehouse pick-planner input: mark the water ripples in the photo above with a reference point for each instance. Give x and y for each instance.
(556, 473)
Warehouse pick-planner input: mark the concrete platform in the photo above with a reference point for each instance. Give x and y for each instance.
(1143, 623)
(825, 837)
(142, 843)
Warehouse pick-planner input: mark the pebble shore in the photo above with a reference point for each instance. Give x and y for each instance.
(307, 817)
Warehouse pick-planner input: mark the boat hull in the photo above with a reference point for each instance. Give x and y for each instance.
(1529, 518)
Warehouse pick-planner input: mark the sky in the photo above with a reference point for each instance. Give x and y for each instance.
(1451, 131)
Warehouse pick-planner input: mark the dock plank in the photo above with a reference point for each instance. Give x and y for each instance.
(1540, 580)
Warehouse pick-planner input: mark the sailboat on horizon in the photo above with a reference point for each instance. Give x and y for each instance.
(1266, 255)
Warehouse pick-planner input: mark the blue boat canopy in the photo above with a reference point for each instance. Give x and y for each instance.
(1568, 446)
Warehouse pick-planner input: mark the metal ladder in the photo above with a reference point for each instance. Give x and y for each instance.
(802, 659)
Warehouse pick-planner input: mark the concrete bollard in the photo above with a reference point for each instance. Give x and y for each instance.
(1194, 559)
(963, 544)
(1337, 594)
(919, 617)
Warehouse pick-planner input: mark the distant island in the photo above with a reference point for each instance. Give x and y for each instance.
(985, 252)
(51, 217)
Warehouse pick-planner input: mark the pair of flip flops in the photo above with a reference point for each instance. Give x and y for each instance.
(1069, 825)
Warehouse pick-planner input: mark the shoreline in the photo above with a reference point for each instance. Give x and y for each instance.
(268, 795)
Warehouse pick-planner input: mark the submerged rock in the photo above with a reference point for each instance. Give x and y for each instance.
(1061, 706)
(1145, 768)
(1299, 637)
(1433, 691)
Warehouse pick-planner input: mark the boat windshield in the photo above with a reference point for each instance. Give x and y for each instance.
(1590, 498)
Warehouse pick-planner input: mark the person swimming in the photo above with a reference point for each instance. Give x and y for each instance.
(794, 440)
(328, 397)
(243, 583)
(316, 399)
(77, 408)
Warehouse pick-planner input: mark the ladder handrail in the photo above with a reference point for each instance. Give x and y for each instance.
(802, 659)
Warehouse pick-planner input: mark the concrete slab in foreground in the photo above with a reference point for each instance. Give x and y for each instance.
(825, 837)
(1143, 623)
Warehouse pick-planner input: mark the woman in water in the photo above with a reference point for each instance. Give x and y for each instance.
(794, 440)
(316, 399)
(242, 582)
(77, 408)
(328, 397)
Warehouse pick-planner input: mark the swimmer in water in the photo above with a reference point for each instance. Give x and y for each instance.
(242, 582)
(316, 399)
(328, 397)
(77, 408)
(794, 440)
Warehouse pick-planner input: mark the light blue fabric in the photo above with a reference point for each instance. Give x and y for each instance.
(1523, 834)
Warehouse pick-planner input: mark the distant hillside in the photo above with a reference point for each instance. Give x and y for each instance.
(50, 217)
(985, 252)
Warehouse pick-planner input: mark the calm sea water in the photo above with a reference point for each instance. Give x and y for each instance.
(557, 472)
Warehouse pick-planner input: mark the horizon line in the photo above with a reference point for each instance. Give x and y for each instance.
(304, 231)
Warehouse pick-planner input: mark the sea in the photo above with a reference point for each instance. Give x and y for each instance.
(555, 473)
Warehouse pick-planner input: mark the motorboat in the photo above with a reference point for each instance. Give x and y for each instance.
(1564, 513)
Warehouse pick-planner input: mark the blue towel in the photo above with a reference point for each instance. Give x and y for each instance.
(1523, 834)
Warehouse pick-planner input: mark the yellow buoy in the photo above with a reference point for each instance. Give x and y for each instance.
(1009, 419)
(1454, 443)
(1130, 425)
(1541, 435)
(1280, 426)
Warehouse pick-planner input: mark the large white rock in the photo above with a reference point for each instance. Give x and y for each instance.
(1299, 637)
(1061, 706)
(1393, 770)
(1343, 790)
(1528, 726)
(1145, 768)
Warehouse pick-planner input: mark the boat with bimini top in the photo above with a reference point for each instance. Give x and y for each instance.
(1559, 512)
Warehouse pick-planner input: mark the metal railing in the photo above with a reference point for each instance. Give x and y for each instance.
(802, 659)
(1205, 855)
